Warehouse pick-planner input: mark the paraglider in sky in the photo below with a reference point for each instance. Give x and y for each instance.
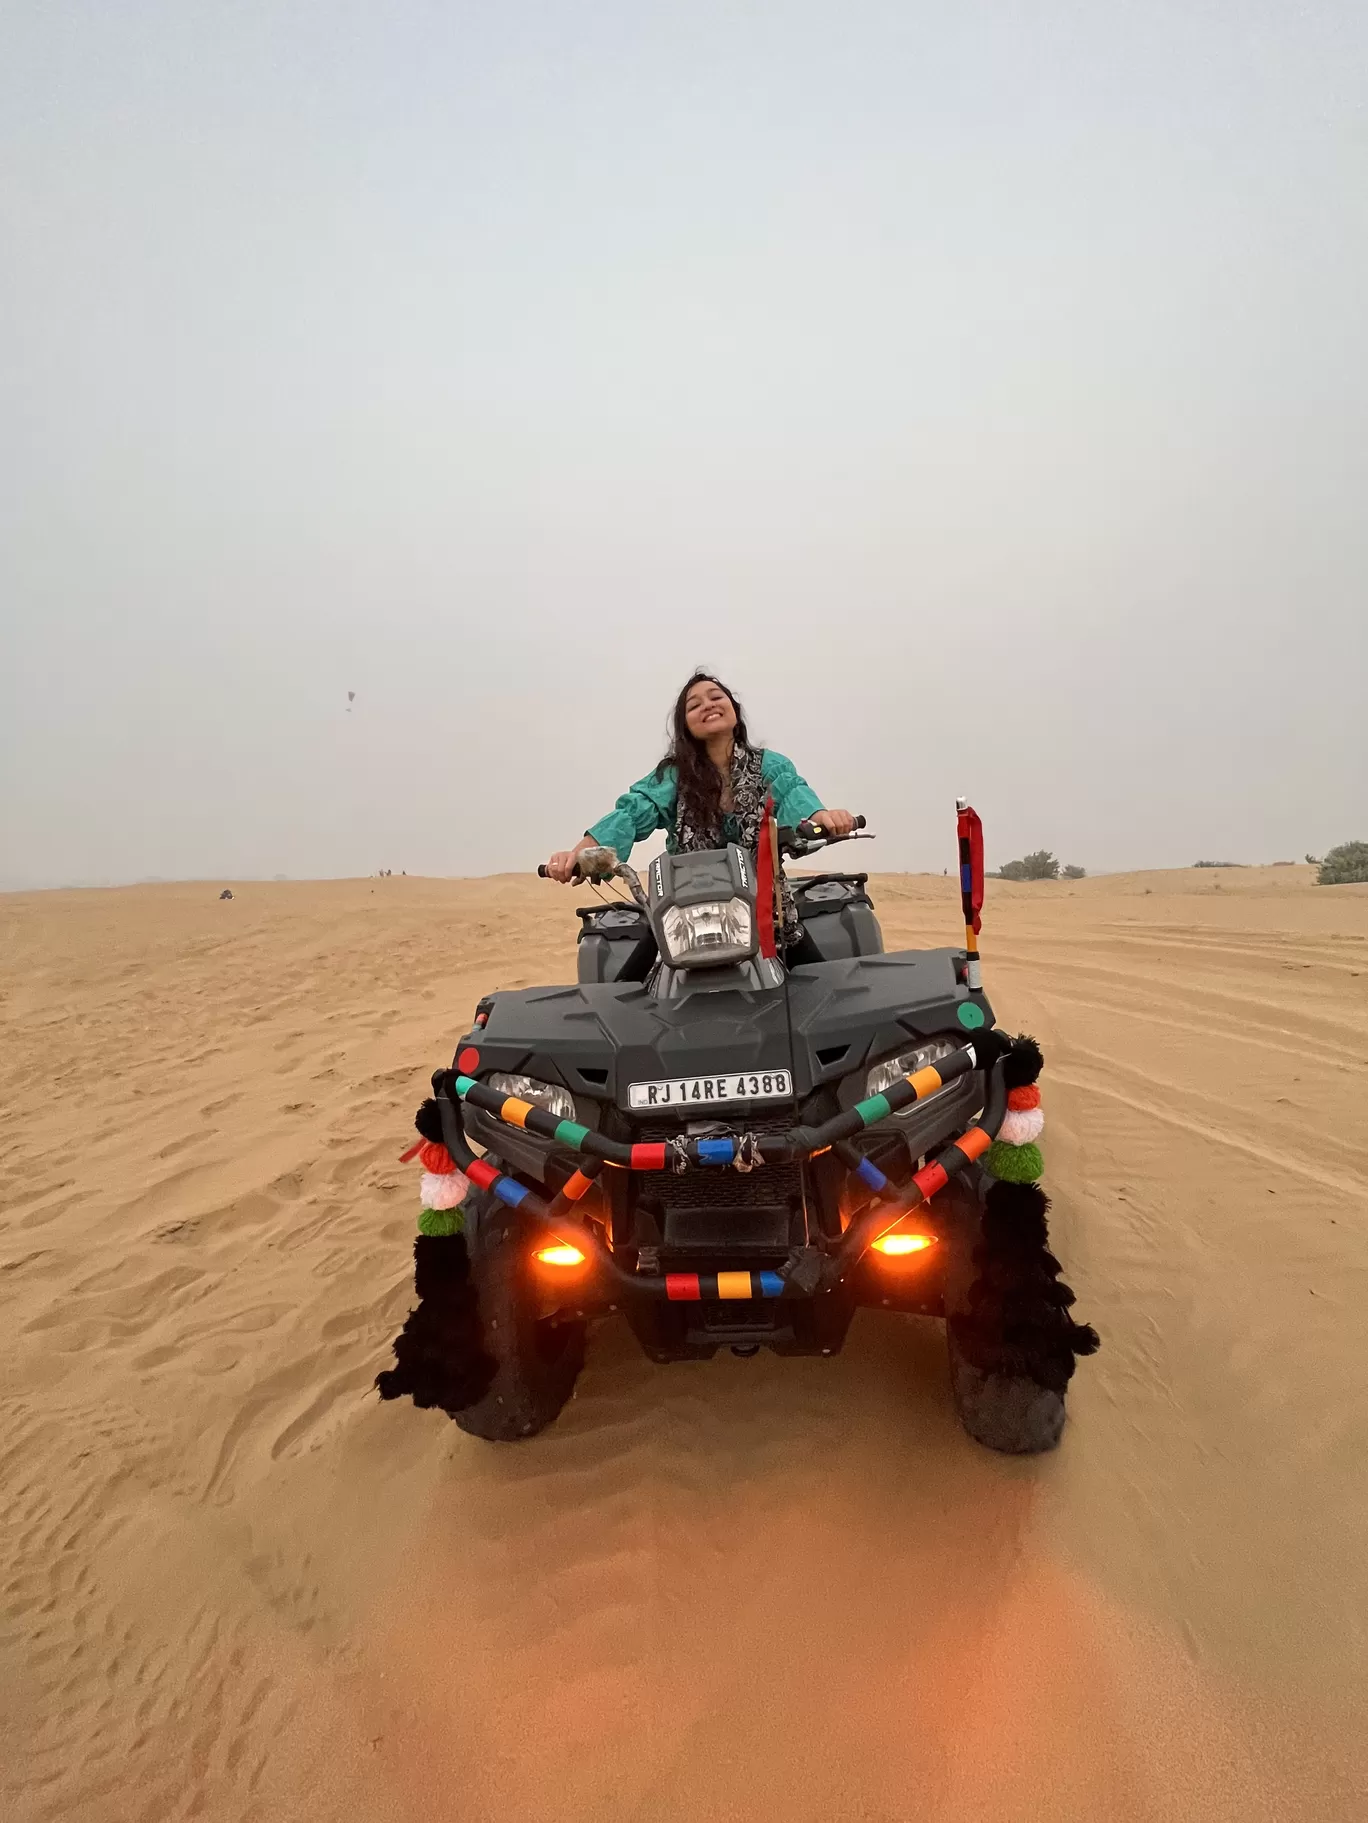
(351, 698)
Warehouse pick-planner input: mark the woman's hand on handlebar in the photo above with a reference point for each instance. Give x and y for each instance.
(564, 866)
(834, 822)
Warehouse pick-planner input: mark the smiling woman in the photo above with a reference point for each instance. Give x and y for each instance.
(709, 788)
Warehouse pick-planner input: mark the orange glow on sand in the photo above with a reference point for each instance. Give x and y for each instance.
(562, 1254)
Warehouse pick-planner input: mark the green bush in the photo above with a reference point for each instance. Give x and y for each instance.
(1346, 865)
(1075, 873)
(1038, 866)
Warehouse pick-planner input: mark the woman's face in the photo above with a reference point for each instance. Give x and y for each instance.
(708, 710)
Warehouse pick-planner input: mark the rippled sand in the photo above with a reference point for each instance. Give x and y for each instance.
(236, 1587)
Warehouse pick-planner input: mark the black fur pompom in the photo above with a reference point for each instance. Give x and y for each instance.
(439, 1354)
(1022, 1057)
(440, 1261)
(1017, 1319)
(1014, 1216)
(428, 1121)
(1024, 1063)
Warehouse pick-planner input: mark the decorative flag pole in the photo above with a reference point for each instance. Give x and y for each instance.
(971, 886)
(767, 879)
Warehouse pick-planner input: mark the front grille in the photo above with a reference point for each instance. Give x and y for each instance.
(713, 1187)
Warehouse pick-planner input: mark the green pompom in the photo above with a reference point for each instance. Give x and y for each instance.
(1013, 1164)
(441, 1221)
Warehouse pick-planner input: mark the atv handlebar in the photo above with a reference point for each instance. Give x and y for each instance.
(802, 839)
(806, 837)
(809, 831)
(604, 866)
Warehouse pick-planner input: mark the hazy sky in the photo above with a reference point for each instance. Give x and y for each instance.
(980, 388)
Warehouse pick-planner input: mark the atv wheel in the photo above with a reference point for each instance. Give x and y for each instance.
(537, 1358)
(1008, 1412)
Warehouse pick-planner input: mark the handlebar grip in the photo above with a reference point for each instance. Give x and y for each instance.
(543, 872)
(808, 831)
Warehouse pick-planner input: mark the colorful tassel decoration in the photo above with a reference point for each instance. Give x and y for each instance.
(1020, 1126)
(436, 1158)
(445, 1191)
(440, 1222)
(1018, 1320)
(1013, 1164)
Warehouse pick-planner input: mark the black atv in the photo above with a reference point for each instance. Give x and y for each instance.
(736, 1150)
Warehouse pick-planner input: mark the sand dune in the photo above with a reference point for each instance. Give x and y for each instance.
(236, 1587)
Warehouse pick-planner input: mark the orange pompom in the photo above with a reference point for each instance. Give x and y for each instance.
(436, 1159)
(1021, 1099)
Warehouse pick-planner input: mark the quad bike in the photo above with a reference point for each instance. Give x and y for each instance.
(734, 1150)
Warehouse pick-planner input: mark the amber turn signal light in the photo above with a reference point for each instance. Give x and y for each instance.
(561, 1254)
(897, 1246)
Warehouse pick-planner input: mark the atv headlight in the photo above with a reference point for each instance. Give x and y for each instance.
(698, 936)
(884, 1075)
(557, 1101)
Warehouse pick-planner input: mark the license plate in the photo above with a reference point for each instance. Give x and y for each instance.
(704, 1091)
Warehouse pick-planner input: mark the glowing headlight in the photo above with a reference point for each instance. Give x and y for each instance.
(884, 1075)
(696, 936)
(557, 1101)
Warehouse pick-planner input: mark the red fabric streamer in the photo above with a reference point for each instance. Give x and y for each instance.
(971, 829)
(432, 1156)
(764, 881)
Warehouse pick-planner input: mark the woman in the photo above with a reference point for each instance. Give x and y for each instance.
(709, 789)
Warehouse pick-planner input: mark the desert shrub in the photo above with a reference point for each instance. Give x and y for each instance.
(1220, 863)
(1038, 866)
(1075, 873)
(1346, 865)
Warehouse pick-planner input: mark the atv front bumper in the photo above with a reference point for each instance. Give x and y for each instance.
(808, 1271)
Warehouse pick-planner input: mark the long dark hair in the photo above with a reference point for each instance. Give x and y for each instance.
(700, 784)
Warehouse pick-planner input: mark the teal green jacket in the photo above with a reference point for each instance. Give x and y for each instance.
(650, 805)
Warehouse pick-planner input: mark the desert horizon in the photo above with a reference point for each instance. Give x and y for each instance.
(232, 880)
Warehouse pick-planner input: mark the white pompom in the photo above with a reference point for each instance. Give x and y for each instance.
(1022, 1126)
(445, 1192)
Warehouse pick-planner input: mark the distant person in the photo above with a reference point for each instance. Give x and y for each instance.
(708, 789)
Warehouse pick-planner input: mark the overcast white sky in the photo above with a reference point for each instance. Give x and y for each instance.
(980, 389)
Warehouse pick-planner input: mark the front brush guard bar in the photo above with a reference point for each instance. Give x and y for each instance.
(808, 1269)
(728, 1149)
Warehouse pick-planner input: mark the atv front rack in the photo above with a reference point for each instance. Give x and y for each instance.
(808, 1269)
